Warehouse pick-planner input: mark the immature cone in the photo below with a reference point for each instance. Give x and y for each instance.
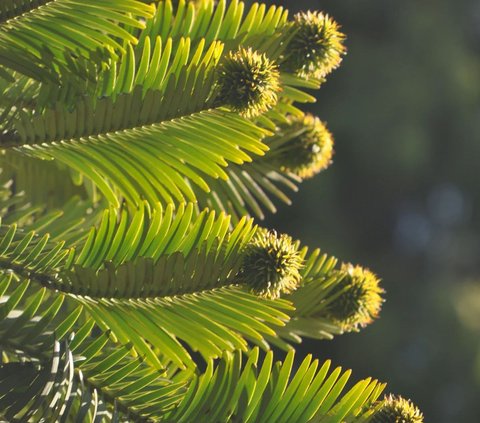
(397, 410)
(316, 47)
(360, 299)
(247, 82)
(310, 149)
(271, 264)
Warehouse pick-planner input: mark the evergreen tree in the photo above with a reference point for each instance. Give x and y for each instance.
(139, 142)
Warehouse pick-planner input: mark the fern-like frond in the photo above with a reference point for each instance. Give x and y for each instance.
(160, 62)
(301, 147)
(136, 139)
(40, 38)
(32, 323)
(148, 161)
(311, 300)
(229, 317)
(66, 382)
(144, 274)
(136, 89)
(211, 21)
(251, 189)
(332, 299)
(126, 268)
(69, 384)
(138, 92)
(29, 254)
(135, 124)
(272, 392)
(265, 31)
(165, 256)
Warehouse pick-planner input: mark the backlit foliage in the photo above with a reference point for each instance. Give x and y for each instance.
(138, 140)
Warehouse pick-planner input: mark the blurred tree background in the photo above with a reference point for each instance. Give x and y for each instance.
(403, 195)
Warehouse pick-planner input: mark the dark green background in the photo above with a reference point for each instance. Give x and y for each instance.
(402, 196)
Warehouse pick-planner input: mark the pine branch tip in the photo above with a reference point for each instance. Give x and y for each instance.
(308, 149)
(271, 265)
(396, 409)
(359, 298)
(316, 46)
(247, 82)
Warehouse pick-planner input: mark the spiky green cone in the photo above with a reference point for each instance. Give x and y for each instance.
(316, 47)
(247, 82)
(306, 147)
(271, 264)
(396, 409)
(360, 298)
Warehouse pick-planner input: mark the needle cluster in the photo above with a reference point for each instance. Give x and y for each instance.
(247, 82)
(396, 409)
(271, 264)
